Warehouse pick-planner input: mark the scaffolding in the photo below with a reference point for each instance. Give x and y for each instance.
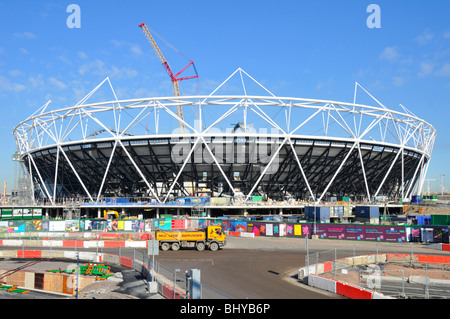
(22, 193)
(72, 210)
(198, 210)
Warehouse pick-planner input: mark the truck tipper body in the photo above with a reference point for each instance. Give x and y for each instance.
(211, 237)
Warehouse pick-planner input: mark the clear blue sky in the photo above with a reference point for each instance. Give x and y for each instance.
(310, 49)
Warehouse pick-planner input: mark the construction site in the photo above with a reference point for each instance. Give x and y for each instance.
(113, 174)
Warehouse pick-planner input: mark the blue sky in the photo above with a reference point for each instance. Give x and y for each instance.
(311, 49)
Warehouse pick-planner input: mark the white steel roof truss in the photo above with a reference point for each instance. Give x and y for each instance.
(398, 130)
(139, 171)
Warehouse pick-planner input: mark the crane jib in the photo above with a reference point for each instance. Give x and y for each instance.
(175, 80)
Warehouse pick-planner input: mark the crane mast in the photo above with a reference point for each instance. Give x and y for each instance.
(175, 80)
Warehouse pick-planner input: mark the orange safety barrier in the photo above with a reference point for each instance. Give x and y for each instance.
(126, 262)
(29, 254)
(168, 293)
(234, 233)
(113, 244)
(327, 266)
(352, 291)
(433, 259)
(72, 243)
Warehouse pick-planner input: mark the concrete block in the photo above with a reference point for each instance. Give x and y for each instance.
(377, 295)
(70, 254)
(33, 243)
(359, 260)
(153, 287)
(8, 253)
(85, 255)
(53, 254)
(92, 244)
(52, 243)
(248, 235)
(305, 271)
(136, 244)
(12, 242)
(322, 283)
(111, 259)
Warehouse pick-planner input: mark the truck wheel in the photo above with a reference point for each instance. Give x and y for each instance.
(200, 246)
(165, 246)
(175, 246)
(214, 246)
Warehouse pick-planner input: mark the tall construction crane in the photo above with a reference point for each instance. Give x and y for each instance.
(4, 195)
(174, 78)
(428, 185)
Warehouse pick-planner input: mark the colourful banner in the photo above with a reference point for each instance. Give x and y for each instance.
(361, 232)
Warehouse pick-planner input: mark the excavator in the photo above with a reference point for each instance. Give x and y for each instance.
(112, 214)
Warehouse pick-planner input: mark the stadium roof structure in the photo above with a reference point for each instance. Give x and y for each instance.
(253, 143)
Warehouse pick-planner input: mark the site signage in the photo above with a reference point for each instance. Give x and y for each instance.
(361, 232)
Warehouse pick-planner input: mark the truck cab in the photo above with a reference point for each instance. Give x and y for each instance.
(215, 233)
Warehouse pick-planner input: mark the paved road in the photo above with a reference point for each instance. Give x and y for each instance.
(262, 267)
(242, 273)
(265, 267)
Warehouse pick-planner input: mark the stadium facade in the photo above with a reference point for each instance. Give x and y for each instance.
(228, 145)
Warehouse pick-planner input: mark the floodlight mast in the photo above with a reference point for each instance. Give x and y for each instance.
(175, 80)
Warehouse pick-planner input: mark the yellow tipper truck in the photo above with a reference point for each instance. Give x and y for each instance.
(211, 237)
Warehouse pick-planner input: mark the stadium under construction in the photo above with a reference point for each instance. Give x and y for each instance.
(359, 152)
(219, 154)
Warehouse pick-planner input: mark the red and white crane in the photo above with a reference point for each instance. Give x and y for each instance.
(175, 79)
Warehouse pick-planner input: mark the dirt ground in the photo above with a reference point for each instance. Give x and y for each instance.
(394, 270)
(104, 289)
(427, 210)
(125, 284)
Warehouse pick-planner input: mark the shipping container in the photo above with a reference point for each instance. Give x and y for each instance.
(37, 213)
(417, 199)
(220, 201)
(7, 213)
(348, 211)
(257, 199)
(339, 211)
(336, 211)
(321, 213)
(367, 211)
(17, 213)
(421, 220)
(27, 213)
(440, 219)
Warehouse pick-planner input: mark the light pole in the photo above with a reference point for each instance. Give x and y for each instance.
(175, 280)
